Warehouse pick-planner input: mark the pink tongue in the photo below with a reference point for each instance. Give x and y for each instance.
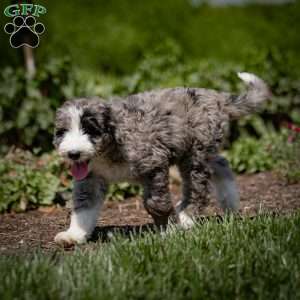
(79, 170)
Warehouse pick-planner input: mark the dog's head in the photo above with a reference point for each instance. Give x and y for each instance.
(82, 132)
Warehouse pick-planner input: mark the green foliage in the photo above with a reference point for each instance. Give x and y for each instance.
(272, 151)
(250, 258)
(165, 66)
(112, 36)
(27, 106)
(252, 155)
(123, 190)
(28, 181)
(286, 151)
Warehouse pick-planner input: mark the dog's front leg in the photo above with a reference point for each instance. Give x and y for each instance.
(88, 196)
(157, 199)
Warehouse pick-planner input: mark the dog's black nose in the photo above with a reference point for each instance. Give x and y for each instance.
(74, 155)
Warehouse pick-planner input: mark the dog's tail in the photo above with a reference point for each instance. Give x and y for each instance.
(250, 101)
(226, 189)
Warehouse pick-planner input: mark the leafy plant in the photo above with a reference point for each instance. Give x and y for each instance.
(251, 155)
(121, 191)
(286, 151)
(272, 151)
(28, 181)
(28, 106)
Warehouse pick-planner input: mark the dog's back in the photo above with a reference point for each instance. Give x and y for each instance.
(180, 100)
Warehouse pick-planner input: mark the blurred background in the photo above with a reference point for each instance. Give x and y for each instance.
(105, 48)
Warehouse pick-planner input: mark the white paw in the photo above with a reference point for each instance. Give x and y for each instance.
(69, 238)
(185, 221)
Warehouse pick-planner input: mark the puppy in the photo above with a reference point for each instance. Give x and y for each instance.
(136, 139)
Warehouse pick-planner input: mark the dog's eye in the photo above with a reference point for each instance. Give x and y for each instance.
(60, 132)
(90, 126)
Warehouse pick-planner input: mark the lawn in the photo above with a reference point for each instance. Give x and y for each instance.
(249, 258)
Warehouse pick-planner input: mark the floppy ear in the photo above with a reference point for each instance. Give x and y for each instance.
(105, 112)
(61, 124)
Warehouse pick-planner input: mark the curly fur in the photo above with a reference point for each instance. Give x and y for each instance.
(137, 139)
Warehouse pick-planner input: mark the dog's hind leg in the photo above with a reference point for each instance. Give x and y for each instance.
(157, 200)
(195, 175)
(88, 196)
(226, 189)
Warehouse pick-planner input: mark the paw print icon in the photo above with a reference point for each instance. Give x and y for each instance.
(24, 31)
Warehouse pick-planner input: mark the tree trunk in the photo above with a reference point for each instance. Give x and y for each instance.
(29, 61)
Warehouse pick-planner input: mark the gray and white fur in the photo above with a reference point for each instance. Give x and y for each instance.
(137, 139)
(225, 186)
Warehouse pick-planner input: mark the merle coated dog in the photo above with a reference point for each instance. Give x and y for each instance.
(138, 138)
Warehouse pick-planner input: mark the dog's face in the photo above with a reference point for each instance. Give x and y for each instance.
(82, 132)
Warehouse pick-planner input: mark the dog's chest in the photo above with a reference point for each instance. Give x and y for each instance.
(112, 172)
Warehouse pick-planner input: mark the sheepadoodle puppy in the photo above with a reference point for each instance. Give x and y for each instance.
(138, 138)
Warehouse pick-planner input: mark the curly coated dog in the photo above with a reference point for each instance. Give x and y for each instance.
(138, 138)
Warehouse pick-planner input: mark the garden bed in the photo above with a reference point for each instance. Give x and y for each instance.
(23, 232)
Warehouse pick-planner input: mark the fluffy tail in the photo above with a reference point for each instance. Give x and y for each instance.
(250, 101)
(226, 189)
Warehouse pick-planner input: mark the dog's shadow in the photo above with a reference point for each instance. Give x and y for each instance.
(106, 233)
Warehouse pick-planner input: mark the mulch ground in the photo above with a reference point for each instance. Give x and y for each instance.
(25, 232)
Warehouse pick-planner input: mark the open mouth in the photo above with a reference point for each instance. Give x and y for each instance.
(80, 170)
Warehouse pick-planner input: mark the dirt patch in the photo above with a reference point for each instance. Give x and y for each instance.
(24, 232)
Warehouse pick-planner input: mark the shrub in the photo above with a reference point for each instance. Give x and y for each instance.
(251, 155)
(272, 151)
(286, 151)
(28, 106)
(29, 181)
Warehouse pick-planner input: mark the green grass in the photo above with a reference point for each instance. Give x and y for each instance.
(236, 259)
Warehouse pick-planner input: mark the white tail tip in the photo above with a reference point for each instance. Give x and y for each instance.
(249, 78)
